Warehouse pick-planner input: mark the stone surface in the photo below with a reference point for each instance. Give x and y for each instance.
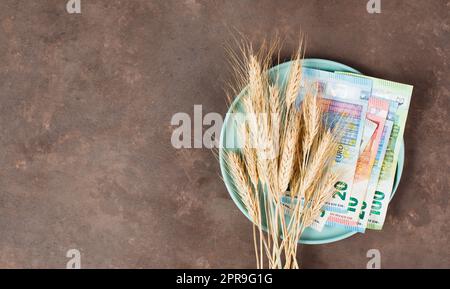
(86, 101)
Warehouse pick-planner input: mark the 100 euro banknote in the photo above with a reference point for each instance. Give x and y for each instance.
(377, 114)
(374, 176)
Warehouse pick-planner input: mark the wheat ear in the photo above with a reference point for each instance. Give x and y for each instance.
(291, 127)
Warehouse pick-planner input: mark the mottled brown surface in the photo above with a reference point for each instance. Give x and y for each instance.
(85, 106)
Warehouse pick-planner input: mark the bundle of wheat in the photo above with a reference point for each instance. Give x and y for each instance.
(286, 153)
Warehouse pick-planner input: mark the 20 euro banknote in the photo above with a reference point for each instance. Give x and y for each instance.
(344, 100)
(376, 114)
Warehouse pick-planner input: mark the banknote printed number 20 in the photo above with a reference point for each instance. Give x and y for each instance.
(341, 188)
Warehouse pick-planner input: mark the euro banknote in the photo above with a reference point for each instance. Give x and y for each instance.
(374, 176)
(345, 101)
(319, 223)
(376, 115)
(401, 95)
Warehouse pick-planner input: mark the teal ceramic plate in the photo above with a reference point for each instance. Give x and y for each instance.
(328, 234)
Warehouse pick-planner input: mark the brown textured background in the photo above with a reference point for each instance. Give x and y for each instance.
(85, 106)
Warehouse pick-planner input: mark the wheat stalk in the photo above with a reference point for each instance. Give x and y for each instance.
(289, 148)
(249, 154)
(291, 127)
(249, 198)
(236, 168)
(295, 76)
(315, 187)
